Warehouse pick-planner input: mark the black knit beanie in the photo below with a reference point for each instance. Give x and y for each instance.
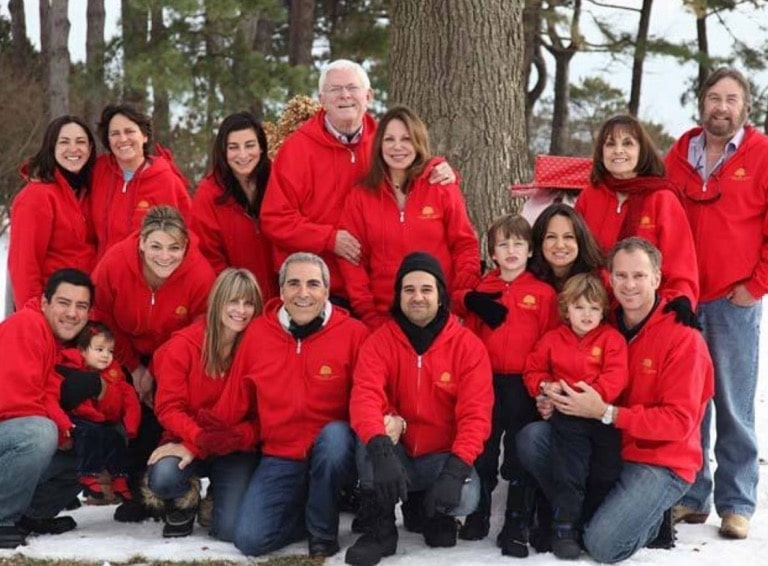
(421, 261)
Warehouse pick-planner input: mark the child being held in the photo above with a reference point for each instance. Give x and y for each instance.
(584, 349)
(101, 425)
(511, 310)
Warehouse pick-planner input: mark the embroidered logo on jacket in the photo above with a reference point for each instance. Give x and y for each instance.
(142, 205)
(596, 354)
(529, 302)
(325, 372)
(428, 213)
(181, 310)
(445, 377)
(740, 174)
(647, 367)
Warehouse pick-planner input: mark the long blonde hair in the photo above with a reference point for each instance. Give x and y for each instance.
(231, 284)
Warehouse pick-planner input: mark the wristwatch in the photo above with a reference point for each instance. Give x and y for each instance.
(608, 416)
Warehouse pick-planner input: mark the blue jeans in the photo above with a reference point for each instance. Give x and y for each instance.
(288, 498)
(422, 473)
(629, 517)
(733, 336)
(229, 477)
(36, 480)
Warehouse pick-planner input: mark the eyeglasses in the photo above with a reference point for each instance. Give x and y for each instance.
(337, 90)
(697, 190)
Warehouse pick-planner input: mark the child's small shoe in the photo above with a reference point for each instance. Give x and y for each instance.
(120, 488)
(92, 487)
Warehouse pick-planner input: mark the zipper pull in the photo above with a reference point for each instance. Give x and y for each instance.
(352, 156)
(418, 362)
(704, 187)
(152, 299)
(402, 216)
(127, 176)
(298, 346)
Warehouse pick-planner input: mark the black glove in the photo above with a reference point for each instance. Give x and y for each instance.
(486, 307)
(78, 386)
(446, 493)
(389, 478)
(684, 314)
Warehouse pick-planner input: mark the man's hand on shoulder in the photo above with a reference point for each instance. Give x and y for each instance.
(347, 246)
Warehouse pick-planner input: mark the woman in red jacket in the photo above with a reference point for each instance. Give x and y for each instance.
(192, 369)
(395, 211)
(49, 226)
(148, 286)
(629, 195)
(227, 202)
(130, 179)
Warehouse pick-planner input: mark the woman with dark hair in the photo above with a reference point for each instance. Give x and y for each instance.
(562, 246)
(395, 211)
(629, 195)
(49, 226)
(131, 179)
(192, 369)
(227, 202)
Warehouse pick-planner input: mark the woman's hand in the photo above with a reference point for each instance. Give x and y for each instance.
(172, 449)
(740, 297)
(144, 383)
(582, 400)
(442, 174)
(394, 426)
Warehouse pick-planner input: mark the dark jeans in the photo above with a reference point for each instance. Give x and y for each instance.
(100, 446)
(513, 408)
(586, 457)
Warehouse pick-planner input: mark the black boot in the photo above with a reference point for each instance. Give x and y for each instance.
(51, 526)
(513, 537)
(180, 513)
(365, 516)
(413, 512)
(440, 531)
(378, 542)
(12, 536)
(475, 527)
(565, 540)
(667, 534)
(541, 533)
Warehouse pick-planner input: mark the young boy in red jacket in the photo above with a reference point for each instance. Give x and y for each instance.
(511, 311)
(583, 349)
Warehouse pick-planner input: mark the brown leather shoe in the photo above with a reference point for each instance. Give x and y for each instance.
(683, 514)
(734, 526)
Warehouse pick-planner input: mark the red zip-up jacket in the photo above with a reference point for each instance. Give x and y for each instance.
(142, 319)
(599, 358)
(433, 220)
(120, 403)
(671, 380)
(532, 310)
(663, 223)
(29, 384)
(49, 231)
(183, 389)
(730, 231)
(294, 387)
(117, 207)
(445, 395)
(311, 178)
(229, 237)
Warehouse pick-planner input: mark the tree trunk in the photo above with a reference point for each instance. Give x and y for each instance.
(533, 58)
(639, 58)
(94, 61)
(703, 45)
(58, 65)
(45, 31)
(161, 111)
(20, 43)
(134, 22)
(301, 32)
(461, 69)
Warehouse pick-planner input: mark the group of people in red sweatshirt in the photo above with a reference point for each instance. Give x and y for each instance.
(587, 351)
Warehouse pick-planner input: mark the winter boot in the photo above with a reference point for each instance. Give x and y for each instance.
(205, 510)
(92, 487)
(513, 537)
(667, 535)
(475, 527)
(48, 526)
(440, 531)
(367, 509)
(541, 534)
(120, 488)
(378, 542)
(413, 512)
(180, 513)
(565, 540)
(12, 536)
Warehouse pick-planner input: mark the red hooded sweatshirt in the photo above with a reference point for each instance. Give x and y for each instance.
(294, 387)
(49, 231)
(730, 229)
(229, 237)
(310, 180)
(433, 220)
(120, 403)
(445, 395)
(118, 207)
(183, 389)
(141, 318)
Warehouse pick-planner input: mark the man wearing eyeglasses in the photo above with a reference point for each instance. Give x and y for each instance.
(316, 168)
(721, 169)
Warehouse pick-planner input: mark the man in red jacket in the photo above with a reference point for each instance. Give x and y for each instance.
(659, 414)
(721, 170)
(37, 468)
(432, 375)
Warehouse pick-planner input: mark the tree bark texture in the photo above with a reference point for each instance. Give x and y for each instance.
(161, 108)
(44, 8)
(639, 57)
(301, 32)
(459, 65)
(58, 64)
(135, 21)
(19, 42)
(534, 58)
(94, 61)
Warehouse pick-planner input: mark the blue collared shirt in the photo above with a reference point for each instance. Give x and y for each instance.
(697, 153)
(343, 138)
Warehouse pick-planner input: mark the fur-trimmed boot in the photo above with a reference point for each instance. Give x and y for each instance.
(179, 513)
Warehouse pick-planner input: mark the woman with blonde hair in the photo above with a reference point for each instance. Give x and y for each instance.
(192, 369)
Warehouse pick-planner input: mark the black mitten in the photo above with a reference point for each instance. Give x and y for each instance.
(486, 307)
(446, 493)
(389, 478)
(684, 314)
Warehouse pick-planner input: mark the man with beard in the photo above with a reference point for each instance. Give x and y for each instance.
(721, 169)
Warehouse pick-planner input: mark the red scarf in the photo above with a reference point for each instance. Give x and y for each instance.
(637, 189)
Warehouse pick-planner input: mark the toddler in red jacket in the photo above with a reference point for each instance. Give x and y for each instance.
(584, 451)
(511, 309)
(102, 426)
